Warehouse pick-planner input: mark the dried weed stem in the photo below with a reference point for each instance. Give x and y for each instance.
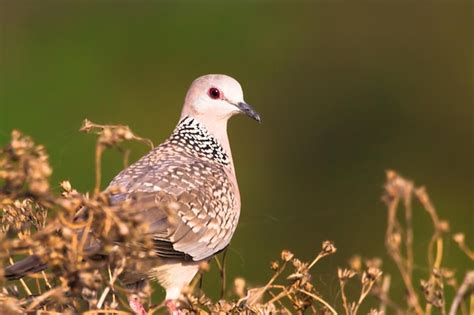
(75, 278)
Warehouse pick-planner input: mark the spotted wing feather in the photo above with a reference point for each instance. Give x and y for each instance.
(187, 201)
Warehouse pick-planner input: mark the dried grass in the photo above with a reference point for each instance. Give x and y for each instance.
(84, 276)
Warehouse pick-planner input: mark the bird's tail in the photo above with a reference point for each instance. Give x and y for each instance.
(28, 265)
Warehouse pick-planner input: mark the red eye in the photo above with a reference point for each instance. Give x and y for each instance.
(214, 93)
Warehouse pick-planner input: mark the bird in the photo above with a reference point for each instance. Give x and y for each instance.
(193, 171)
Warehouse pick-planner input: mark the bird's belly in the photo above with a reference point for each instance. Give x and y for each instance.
(173, 276)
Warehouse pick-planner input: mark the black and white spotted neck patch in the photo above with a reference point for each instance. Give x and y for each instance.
(193, 136)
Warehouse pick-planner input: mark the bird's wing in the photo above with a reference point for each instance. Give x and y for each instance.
(189, 206)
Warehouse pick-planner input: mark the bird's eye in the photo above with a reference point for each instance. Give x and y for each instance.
(214, 93)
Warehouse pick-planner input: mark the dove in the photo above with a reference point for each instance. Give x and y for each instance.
(185, 188)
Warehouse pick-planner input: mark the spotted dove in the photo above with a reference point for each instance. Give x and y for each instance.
(194, 172)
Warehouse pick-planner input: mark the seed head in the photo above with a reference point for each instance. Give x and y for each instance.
(286, 255)
(328, 247)
(274, 265)
(345, 274)
(459, 238)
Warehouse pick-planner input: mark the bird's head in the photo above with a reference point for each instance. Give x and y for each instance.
(216, 97)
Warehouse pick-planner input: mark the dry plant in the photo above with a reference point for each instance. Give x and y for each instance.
(399, 244)
(84, 272)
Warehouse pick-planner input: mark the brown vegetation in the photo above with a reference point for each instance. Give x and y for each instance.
(36, 221)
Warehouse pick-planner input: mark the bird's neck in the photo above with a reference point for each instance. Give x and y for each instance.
(205, 139)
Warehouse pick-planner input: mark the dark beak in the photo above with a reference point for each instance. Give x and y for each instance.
(248, 110)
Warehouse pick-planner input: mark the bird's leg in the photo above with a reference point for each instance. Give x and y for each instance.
(136, 305)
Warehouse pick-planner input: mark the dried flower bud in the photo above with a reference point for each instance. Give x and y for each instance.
(436, 273)
(433, 291)
(128, 134)
(447, 273)
(274, 265)
(86, 125)
(391, 174)
(286, 255)
(328, 247)
(443, 226)
(371, 275)
(355, 262)
(459, 238)
(239, 287)
(452, 282)
(204, 266)
(422, 194)
(297, 263)
(66, 186)
(394, 240)
(67, 233)
(123, 229)
(308, 286)
(344, 274)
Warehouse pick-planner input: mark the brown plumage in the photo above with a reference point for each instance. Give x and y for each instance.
(189, 172)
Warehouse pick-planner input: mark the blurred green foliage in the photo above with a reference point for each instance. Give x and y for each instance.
(346, 90)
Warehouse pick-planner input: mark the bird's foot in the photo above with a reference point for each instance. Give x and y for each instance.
(136, 305)
(172, 307)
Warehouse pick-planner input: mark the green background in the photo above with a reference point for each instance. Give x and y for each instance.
(346, 90)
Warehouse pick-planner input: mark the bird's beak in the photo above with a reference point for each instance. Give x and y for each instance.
(248, 110)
